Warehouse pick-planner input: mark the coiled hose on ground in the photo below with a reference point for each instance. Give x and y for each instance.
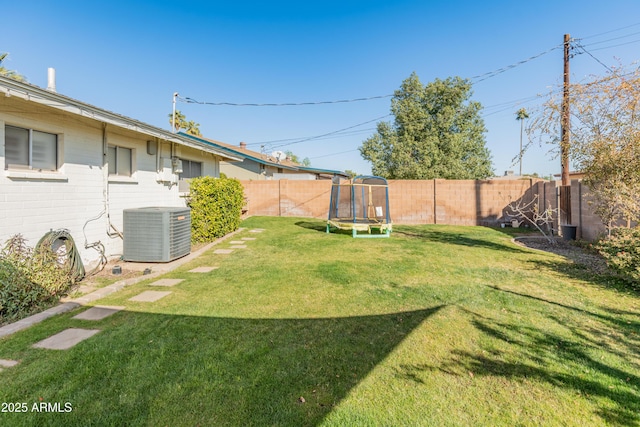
(68, 257)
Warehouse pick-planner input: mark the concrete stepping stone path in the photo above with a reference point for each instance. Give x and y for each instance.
(239, 247)
(248, 238)
(6, 363)
(66, 339)
(149, 296)
(98, 312)
(237, 242)
(166, 282)
(202, 269)
(256, 230)
(223, 251)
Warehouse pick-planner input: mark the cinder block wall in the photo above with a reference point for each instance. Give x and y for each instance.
(288, 198)
(454, 202)
(464, 202)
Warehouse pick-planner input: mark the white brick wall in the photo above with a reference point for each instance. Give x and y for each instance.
(31, 205)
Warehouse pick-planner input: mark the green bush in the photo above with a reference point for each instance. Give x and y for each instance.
(29, 280)
(216, 206)
(622, 252)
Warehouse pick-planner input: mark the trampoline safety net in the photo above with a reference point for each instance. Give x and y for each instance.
(361, 204)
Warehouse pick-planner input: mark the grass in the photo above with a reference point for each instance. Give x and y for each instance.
(437, 325)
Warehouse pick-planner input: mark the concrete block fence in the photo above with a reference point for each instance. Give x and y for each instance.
(438, 201)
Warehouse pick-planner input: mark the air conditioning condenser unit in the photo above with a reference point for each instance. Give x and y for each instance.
(156, 234)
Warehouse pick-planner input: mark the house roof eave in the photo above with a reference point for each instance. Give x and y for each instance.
(32, 93)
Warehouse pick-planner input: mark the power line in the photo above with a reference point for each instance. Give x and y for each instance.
(478, 78)
(494, 73)
(332, 154)
(331, 133)
(610, 40)
(580, 46)
(611, 31)
(285, 104)
(616, 45)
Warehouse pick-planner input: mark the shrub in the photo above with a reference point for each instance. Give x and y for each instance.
(29, 280)
(216, 206)
(622, 252)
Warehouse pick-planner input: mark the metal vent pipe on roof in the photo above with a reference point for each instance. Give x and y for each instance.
(51, 79)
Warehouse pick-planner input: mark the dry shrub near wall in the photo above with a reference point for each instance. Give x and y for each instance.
(29, 279)
(621, 250)
(216, 206)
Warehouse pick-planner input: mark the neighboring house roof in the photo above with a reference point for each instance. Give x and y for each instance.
(55, 100)
(323, 171)
(264, 159)
(247, 154)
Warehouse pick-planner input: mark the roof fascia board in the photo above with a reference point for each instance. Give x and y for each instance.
(55, 100)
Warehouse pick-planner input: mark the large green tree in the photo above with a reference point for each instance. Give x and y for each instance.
(437, 133)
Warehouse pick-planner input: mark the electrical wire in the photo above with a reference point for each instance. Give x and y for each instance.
(286, 104)
(494, 73)
(330, 133)
(582, 48)
(616, 45)
(611, 31)
(98, 246)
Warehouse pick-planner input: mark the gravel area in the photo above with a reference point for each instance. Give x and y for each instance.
(566, 249)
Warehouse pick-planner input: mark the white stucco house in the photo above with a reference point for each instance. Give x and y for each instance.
(68, 164)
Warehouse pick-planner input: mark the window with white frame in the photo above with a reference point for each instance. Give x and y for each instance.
(30, 149)
(190, 169)
(120, 160)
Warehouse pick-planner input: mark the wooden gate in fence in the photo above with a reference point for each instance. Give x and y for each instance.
(565, 204)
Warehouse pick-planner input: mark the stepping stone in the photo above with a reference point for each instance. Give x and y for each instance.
(98, 312)
(66, 339)
(149, 296)
(256, 230)
(236, 242)
(248, 238)
(166, 282)
(239, 247)
(5, 363)
(223, 251)
(202, 269)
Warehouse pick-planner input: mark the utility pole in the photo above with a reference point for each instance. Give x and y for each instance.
(173, 114)
(566, 118)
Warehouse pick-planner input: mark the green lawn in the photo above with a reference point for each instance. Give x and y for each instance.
(435, 326)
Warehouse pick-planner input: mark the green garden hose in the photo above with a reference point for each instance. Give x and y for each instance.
(54, 240)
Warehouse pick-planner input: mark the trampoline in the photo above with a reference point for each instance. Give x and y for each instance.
(361, 205)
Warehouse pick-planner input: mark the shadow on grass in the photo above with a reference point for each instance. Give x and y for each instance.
(322, 227)
(447, 236)
(313, 225)
(155, 369)
(571, 359)
(590, 273)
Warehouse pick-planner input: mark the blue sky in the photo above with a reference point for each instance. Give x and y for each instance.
(130, 57)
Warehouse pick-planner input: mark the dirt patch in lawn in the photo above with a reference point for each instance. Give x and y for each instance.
(572, 251)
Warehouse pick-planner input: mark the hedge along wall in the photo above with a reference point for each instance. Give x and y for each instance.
(216, 206)
(464, 202)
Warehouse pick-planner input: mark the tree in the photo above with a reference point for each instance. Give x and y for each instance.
(351, 173)
(605, 135)
(294, 158)
(521, 114)
(437, 133)
(9, 73)
(190, 127)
